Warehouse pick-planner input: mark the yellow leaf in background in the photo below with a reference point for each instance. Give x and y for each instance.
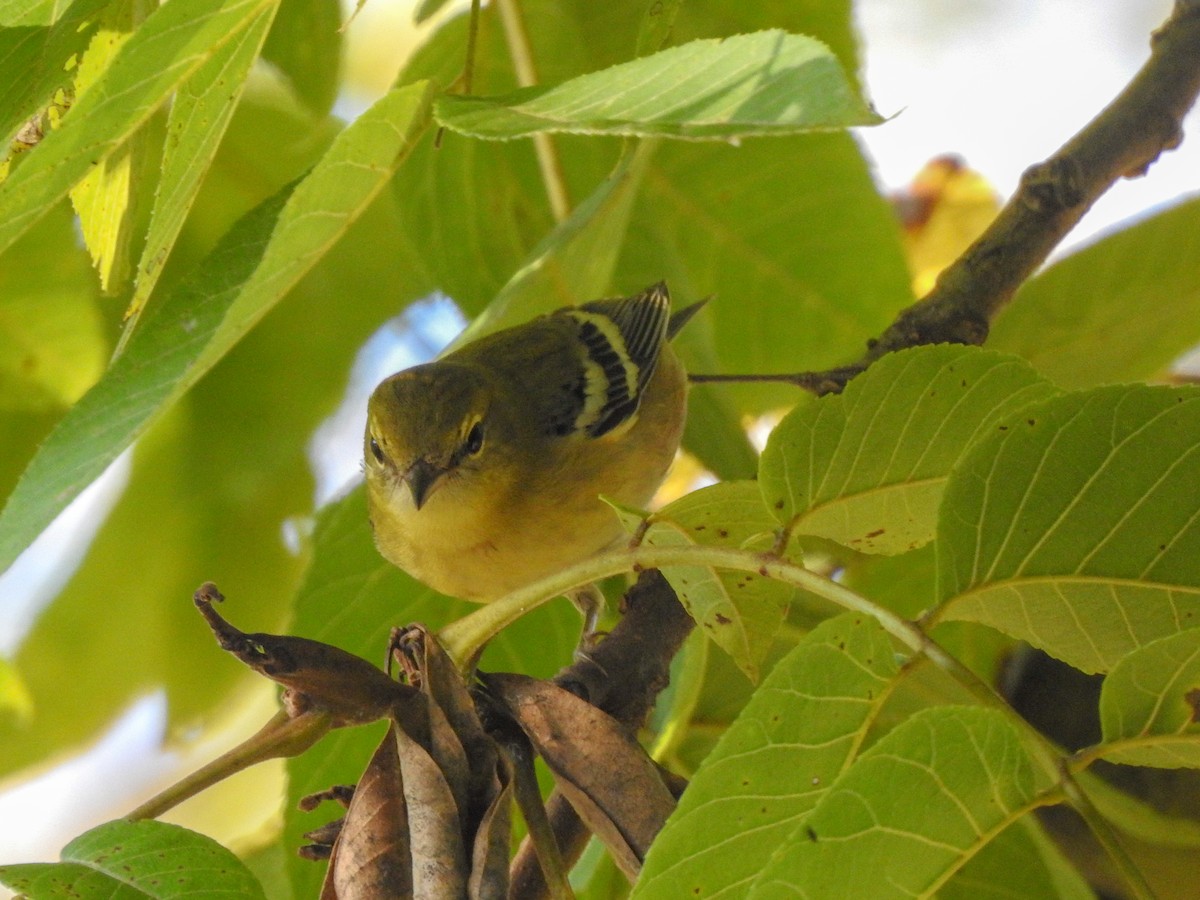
(15, 702)
(104, 198)
(947, 206)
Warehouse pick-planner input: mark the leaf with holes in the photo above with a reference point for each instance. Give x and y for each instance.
(143, 860)
(1073, 526)
(799, 732)
(919, 805)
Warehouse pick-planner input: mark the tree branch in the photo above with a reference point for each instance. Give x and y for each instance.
(1123, 141)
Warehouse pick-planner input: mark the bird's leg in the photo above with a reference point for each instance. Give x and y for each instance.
(589, 600)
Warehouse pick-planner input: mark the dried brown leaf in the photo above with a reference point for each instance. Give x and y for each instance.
(438, 855)
(612, 783)
(493, 841)
(371, 858)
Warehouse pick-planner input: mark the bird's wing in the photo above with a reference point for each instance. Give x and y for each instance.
(622, 339)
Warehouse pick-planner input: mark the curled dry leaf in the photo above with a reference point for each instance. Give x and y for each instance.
(598, 766)
(370, 857)
(317, 676)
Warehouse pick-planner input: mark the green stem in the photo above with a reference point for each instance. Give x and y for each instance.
(282, 736)
(521, 52)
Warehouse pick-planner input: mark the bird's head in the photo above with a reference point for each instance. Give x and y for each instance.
(426, 426)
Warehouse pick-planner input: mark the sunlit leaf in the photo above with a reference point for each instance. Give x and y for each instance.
(107, 197)
(1073, 525)
(253, 268)
(126, 860)
(769, 82)
(199, 115)
(1150, 704)
(918, 806)
(800, 731)
(867, 467)
(15, 702)
(171, 44)
(53, 343)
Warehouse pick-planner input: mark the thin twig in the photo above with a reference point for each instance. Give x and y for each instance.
(543, 144)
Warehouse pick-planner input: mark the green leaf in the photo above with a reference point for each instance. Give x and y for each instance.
(918, 805)
(867, 467)
(199, 116)
(219, 477)
(1020, 862)
(475, 211)
(16, 13)
(658, 21)
(1150, 704)
(574, 263)
(170, 45)
(183, 337)
(427, 9)
(306, 44)
(1121, 309)
(767, 83)
(714, 434)
(126, 860)
(737, 223)
(1073, 525)
(1139, 817)
(800, 731)
(741, 611)
(15, 701)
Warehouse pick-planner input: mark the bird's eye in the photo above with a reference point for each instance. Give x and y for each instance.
(474, 442)
(376, 451)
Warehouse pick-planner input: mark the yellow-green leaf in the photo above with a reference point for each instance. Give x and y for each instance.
(1073, 525)
(867, 467)
(741, 611)
(1150, 704)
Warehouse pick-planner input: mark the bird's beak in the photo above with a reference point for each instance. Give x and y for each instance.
(421, 477)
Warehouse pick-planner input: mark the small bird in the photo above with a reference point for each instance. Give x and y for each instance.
(485, 468)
